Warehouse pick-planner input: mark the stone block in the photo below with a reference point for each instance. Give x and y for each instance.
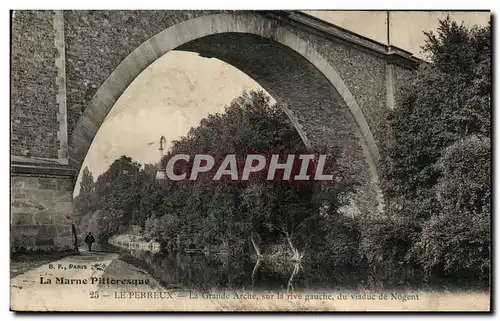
(20, 241)
(41, 195)
(46, 231)
(47, 183)
(19, 196)
(43, 218)
(65, 185)
(22, 219)
(63, 196)
(15, 190)
(27, 206)
(64, 230)
(44, 241)
(24, 230)
(62, 218)
(41, 210)
(63, 208)
(30, 182)
(16, 182)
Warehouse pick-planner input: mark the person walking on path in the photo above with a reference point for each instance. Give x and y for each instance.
(89, 239)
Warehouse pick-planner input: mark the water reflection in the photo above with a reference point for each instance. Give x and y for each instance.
(201, 272)
(212, 273)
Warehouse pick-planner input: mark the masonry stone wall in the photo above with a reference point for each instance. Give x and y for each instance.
(322, 117)
(364, 74)
(41, 212)
(34, 123)
(97, 41)
(359, 74)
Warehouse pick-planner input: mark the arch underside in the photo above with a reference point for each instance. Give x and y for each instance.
(313, 95)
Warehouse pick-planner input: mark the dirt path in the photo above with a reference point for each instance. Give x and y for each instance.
(49, 285)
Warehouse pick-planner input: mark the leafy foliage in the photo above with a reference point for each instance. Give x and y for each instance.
(459, 236)
(221, 216)
(438, 166)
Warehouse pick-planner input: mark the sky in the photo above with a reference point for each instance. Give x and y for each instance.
(166, 99)
(172, 95)
(406, 27)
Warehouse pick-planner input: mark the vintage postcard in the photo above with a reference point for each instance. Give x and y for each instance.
(250, 160)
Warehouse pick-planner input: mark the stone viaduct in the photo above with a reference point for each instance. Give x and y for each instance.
(68, 68)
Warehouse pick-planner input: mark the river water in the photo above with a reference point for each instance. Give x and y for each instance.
(198, 271)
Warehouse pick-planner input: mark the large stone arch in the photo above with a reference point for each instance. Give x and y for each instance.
(314, 95)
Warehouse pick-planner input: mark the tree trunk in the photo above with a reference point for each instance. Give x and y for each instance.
(296, 269)
(255, 246)
(255, 268)
(75, 237)
(296, 256)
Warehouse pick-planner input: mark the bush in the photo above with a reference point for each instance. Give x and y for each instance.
(456, 243)
(437, 167)
(459, 236)
(388, 241)
(465, 186)
(341, 240)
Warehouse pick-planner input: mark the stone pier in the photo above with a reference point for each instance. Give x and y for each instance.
(41, 207)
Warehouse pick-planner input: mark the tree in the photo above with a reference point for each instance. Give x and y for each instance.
(87, 182)
(85, 201)
(224, 214)
(445, 101)
(117, 191)
(220, 216)
(442, 124)
(458, 237)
